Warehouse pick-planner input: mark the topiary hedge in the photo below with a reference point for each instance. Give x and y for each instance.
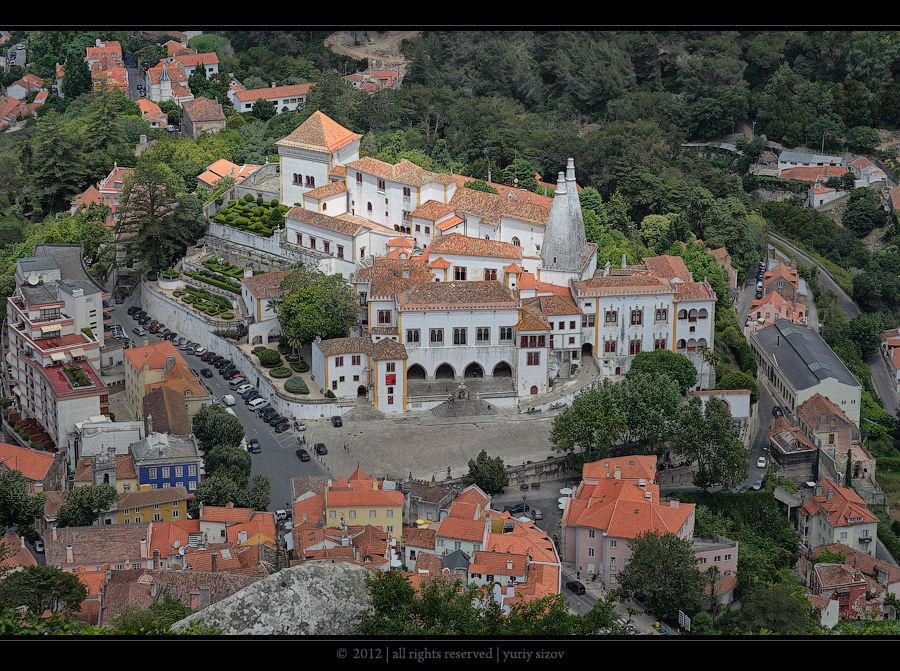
(300, 367)
(227, 315)
(281, 371)
(269, 358)
(296, 385)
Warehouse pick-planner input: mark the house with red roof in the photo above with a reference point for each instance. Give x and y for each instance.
(772, 307)
(784, 280)
(43, 471)
(152, 114)
(19, 555)
(148, 364)
(867, 173)
(837, 515)
(225, 168)
(22, 88)
(599, 520)
(201, 115)
(285, 98)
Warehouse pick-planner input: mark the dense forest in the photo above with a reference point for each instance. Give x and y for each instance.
(509, 105)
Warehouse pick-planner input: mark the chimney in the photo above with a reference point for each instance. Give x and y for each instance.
(149, 424)
(144, 554)
(54, 534)
(22, 542)
(157, 560)
(830, 494)
(204, 597)
(170, 362)
(509, 563)
(818, 489)
(195, 600)
(674, 503)
(153, 589)
(146, 342)
(215, 561)
(617, 474)
(70, 554)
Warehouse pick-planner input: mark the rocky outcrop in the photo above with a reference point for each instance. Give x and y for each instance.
(318, 598)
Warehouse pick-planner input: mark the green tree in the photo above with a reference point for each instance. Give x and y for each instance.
(663, 573)
(260, 494)
(778, 609)
(665, 362)
(489, 474)
(740, 380)
(157, 220)
(214, 427)
(863, 213)
(594, 422)
(105, 139)
(156, 620)
(707, 437)
(77, 78)
(42, 588)
(480, 185)
(58, 168)
(315, 305)
(17, 507)
(866, 330)
(218, 490)
(263, 109)
(84, 504)
(229, 458)
(650, 403)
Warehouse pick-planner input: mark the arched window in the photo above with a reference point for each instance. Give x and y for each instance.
(681, 344)
(682, 314)
(703, 314)
(609, 347)
(369, 208)
(662, 315)
(634, 347)
(516, 242)
(659, 344)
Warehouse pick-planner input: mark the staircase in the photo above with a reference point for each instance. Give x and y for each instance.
(470, 407)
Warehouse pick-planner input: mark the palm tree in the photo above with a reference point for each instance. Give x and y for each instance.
(710, 358)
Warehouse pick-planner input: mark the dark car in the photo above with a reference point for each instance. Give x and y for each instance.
(232, 373)
(252, 397)
(575, 586)
(213, 359)
(281, 427)
(268, 413)
(206, 372)
(253, 446)
(137, 314)
(208, 355)
(776, 411)
(303, 454)
(517, 509)
(119, 299)
(275, 419)
(321, 449)
(133, 309)
(337, 421)
(247, 394)
(222, 363)
(171, 335)
(144, 320)
(758, 295)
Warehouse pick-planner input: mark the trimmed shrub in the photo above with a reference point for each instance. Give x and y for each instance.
(269, 358)
(301, 367)
(296, 385)
(227, 315)
(329, 394)
(281, 371)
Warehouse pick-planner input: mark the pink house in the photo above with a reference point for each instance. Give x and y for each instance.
(599, 520)
(772, 307)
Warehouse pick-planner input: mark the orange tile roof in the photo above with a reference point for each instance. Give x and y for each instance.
(531, 319)
(462, 529)
(781, 270)
(813, 408)
(620, 508)
(463, 245)
(34, 464)
(498, 563)
(634, 467)
(419, 538)
(404, 172)
(319, 133)
(812, 174)
(154, 354)
(670, 267)
(432, 210)
(165, 535)
(634, 283)
(340, 499)
(472, 494)
(472, 295)
(326, 190)
(555, 305)
(492, 207)
(260, 528)
(455, 220)
(228, 513)
(266, 285)
(193, 60)
(274, 92)
(839, 505)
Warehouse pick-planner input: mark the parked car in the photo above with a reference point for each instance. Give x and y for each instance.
(776, 411)
(303, 454)
(253, 446)
(757, 485)
(575, 587)
(228, 399)
(337, 421)
(199, 350)
(251, 396)
(517, 509)
(207, 355)
(275, 419)
(321, 449)
(139, 331)
(300, 426)
(744, 489)
(222, 362)
(39, 546)
(761, 462)
(537, 514)
(244, 386)
(283, 426)
(133, 309)
(206, 372)
(119, 299)
(758, 294)
(258, 403)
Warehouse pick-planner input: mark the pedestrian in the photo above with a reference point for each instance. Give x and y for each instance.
(429, 389)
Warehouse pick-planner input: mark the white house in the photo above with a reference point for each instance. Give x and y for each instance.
(866, 173)
(283, 97)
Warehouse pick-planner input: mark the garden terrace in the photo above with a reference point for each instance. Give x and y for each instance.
(255, 216)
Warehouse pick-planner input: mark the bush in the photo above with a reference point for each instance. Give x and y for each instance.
(281, 371)
(227, 315)
(329, 394)
(296, 385)
(151, 276)
(301, 367)
(269, 358)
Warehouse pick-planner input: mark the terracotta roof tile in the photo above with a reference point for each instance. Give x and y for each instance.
(34, 464)
(266, 285)
(154, 354)
(463, 245)
(273, 92)
(336, 346)
(472, 295)
(492, 207)
(432, 210)
(341, 225)
(147, 497)
(319, 133)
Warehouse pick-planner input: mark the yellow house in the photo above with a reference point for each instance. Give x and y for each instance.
(153, 505)
(110, 469)
(361, 500)
(145, 365)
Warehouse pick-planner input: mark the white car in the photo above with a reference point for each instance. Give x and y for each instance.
(244, 387)
(228, 399)
(199, 350)
(761, 462)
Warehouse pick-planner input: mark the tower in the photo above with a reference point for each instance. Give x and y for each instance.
(564, 238)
